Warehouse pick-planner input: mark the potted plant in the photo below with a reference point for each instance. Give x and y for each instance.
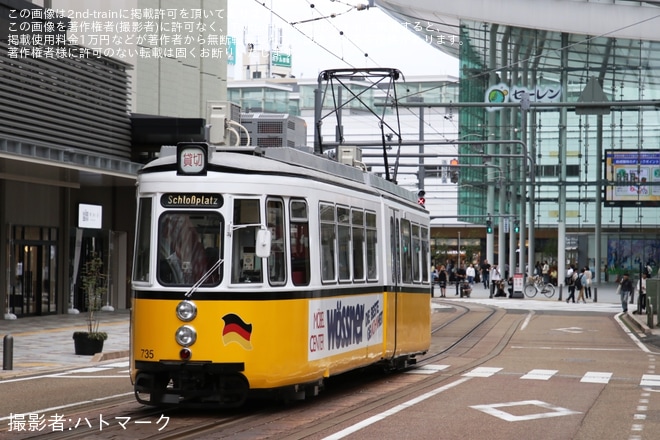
(94, 284)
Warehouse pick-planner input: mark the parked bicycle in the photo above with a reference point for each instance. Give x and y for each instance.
(535, 285)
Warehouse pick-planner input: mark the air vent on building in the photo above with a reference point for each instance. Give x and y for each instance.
(269, 142)
(270, 127)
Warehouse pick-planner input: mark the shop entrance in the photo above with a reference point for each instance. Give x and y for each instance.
(34, 280)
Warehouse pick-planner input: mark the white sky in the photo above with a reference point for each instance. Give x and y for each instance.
(370, 31)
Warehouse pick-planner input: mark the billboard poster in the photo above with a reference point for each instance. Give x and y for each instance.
(633, 178)
(338, 326)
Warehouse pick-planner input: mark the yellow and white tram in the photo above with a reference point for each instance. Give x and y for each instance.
(268, 271)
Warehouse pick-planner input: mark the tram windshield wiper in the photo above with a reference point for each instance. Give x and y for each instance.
(203, 278)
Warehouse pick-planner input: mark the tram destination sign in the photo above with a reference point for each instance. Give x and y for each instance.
(633, 178)
(188, 200)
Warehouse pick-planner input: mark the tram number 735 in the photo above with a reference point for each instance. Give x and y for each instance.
(147, 353)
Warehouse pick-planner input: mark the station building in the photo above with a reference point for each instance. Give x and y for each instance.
(578, 82)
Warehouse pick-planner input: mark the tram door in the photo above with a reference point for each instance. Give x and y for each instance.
(33, 290)
(395, 247)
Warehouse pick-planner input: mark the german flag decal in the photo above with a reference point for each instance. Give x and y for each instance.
(236, 330)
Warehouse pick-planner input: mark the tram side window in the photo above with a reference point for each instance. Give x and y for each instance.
(357, 223)
(328, 242)
(344, 242)
(372, 242)
(183, 258)
(299, 234)
(142, 241)
(416, 250)
(245, 267)
(406, 250)
(277, 260)
(425, 254)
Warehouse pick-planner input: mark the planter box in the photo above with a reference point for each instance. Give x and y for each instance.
(85, 346)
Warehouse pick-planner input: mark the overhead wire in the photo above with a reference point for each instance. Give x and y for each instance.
(325, 17)
(405, 96)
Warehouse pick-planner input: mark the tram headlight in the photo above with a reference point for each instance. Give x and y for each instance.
(186, 311)
(185, 336)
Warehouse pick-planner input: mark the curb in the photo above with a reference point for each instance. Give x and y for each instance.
(638, 324)
(100, 357)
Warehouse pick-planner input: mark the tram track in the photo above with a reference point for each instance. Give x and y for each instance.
(464, 324)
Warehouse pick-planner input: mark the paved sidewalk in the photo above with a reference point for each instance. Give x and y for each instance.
(44, 344)
(604, 300)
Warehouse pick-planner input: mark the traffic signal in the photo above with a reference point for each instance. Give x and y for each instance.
(516, 227)
(453, 170)
(420, 198)
(489, 227)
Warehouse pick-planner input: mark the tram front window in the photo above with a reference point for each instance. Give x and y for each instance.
(189, 244)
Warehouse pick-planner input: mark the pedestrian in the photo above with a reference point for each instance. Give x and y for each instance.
(434, 281)
(587, 282)
(451, 270)
(641, 292)
(470, 273)
(545, 271)
(495, 278)
(580, 284)
(460, 277)
(443, 277)
(570, 282)
(626, 288)
(485, 273)
(553, 275)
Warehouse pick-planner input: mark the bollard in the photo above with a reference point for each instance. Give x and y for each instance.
(649, 315)
(561, 286)
(8, 352)
(595, 289)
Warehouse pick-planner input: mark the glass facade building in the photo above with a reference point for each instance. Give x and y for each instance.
(594, 194)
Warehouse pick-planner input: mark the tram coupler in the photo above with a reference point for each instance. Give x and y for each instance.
(8, 352)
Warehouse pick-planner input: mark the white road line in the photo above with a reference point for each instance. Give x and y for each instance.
(539, 374)
(378, 417)
(113, 376)
(523, 347)
(56, 408)
(650, 380)
(552, 410)
(482, 372)
(527, 320)
(88, 370)
(625, 328)
(122, 364)
(596, 377)
(427, 369)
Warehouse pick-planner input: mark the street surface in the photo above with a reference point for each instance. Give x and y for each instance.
(497, 369)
